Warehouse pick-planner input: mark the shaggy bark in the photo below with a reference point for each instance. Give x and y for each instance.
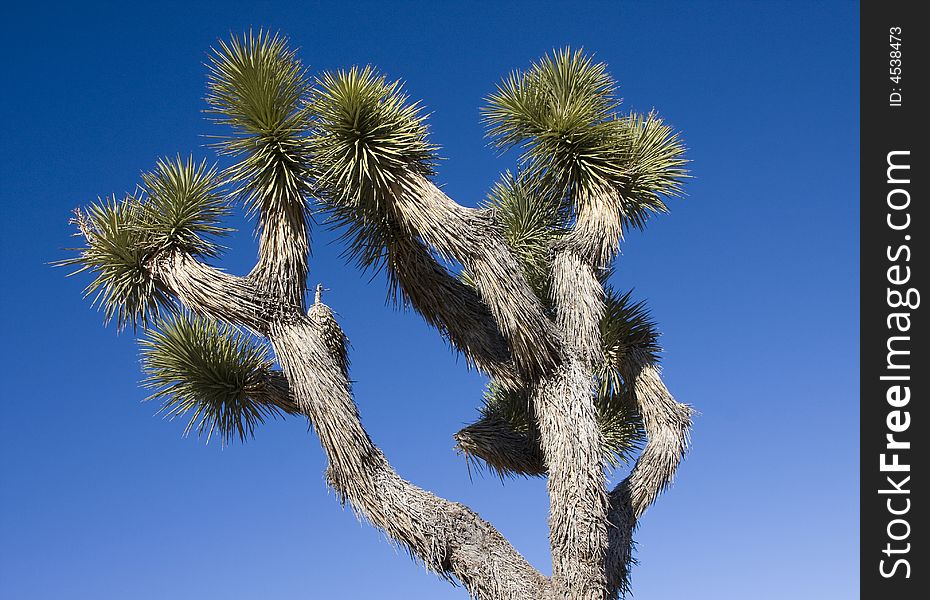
(469, 236)
(571, 442)
(509, 452)
(449, 538)
(570, 438)
(619, 541)
(502, 449)
(213, 293)
(283, 251)
(450, 306)
(667, 424)
(579, 300)
(598, 229)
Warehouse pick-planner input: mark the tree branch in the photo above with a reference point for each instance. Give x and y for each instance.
(213, 293)
(571, 442)
(283, 252)
(578, 297)
(564, 400)
(621, 524)
(203, 289)
(598, 228)
(449, 538)
(450, 306)
(668, 425)
(470, 237)
(258, 86)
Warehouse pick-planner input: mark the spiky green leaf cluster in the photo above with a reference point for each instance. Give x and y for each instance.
(179, 208)
(561, 113)
(258, 87)
(183, 208)
(115, 253)
(366, 137)
(622, 432)
(211, 372)
(626, 326)
(531, 223)
(653, 155)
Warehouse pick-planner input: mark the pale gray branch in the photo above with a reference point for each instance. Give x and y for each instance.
(283, 251)
(621, 524)
(470, 237)
(211, 292)
(448, 537)
(598, 228)
(578, 297)
(450, 306)
(668, 426)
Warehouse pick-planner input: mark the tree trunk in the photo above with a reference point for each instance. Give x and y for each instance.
(571, 442)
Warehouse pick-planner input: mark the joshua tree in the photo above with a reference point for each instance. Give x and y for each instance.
(519, 286)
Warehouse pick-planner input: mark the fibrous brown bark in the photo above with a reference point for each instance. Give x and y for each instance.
(214, 293)
(668, 425)
(450, 306)
(564, 397)
(507, 452)
(470, 236)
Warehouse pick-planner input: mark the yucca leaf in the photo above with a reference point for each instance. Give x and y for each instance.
(183, 208)
(561, 113)
(257, 86)
(116, 254)
(531, 222)
(213, 373)
(366, 135)
(625, 326)
(653, 157)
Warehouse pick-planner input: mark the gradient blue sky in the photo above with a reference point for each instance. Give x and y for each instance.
(753, 278)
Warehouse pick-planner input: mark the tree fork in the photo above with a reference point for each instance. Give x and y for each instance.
(447, 537)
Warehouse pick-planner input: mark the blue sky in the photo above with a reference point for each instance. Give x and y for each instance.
(753, 279)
